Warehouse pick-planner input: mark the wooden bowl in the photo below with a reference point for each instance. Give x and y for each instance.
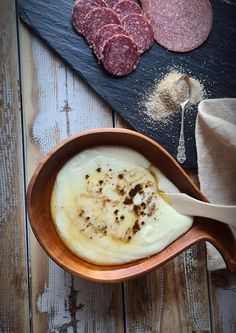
(38, 203)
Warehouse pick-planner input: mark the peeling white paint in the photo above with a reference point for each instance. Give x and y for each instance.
(92, 303)
(161, 299)
(196, 304)
(52, 300)
(66, 105)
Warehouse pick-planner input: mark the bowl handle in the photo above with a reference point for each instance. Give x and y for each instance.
(222, 238)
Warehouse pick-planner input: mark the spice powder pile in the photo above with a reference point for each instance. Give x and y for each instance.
(167, 96)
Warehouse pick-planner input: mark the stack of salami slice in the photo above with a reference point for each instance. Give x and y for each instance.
(117, 31)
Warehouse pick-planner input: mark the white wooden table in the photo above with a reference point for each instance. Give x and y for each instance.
(41, 103)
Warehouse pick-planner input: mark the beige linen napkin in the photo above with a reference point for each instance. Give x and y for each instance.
(216, 151)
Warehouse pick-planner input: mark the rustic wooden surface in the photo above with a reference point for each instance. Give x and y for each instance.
(179, 297)
(57, 104)
(14, 305)
(174, 298)
(223, 301)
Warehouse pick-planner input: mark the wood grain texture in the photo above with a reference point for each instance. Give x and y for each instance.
(57, 104)
(174, 298)
(223, 301)
(14, 306)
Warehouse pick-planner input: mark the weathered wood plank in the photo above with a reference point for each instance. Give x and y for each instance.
(223, 300)
(57, 104)
(14, 305)
(174, 298)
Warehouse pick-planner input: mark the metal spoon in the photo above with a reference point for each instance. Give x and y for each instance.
(181, 156)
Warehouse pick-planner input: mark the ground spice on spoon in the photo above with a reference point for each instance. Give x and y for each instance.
(167, 96)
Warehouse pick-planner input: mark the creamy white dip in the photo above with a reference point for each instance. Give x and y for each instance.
(107, 206)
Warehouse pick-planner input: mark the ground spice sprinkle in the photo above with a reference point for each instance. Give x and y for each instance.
(166, 97)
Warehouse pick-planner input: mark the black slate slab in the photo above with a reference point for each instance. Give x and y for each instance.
(214, 63)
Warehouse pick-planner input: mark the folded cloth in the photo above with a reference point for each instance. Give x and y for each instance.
(216, 155)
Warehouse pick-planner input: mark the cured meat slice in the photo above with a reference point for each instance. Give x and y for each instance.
(81, 9)
(96, 19)
(111, 3)
(126, 7)
(140, 29)
(179, 25)
(120, 55)
(102, 36)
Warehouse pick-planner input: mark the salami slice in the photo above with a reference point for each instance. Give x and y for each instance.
(111, 3)
(81, 9)
(102, 36)
(126, 7)
(96, 19)
(120, 55)
(179, 25)
(140, 29)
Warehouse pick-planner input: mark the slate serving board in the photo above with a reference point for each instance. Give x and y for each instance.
(214, 63)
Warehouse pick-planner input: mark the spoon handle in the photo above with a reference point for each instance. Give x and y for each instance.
(181, 156)
(184, 204)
